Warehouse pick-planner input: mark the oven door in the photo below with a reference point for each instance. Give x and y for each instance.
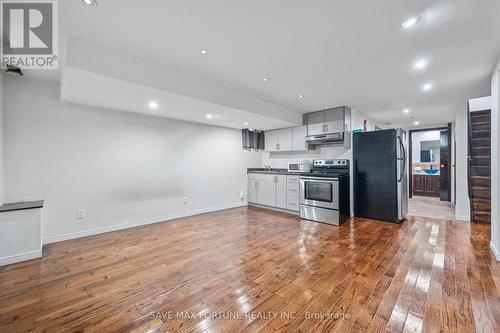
(319, 192)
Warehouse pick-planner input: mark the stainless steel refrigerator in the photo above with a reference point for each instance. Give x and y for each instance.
(380, 175)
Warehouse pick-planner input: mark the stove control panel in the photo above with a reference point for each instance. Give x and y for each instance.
(334, 163)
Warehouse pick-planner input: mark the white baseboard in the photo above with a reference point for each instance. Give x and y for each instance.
(96, 231)
(20, 257)
(464, 218)
(495, 251)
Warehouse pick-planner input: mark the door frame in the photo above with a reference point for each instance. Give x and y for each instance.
(449, 168)
(410, 156)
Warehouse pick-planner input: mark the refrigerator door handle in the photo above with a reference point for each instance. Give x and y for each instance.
(403, 159)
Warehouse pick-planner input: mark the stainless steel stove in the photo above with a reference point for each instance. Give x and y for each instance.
(324, 193)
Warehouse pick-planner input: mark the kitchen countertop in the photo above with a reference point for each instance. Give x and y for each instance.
(9, 207)
(276, 171)
(287, 173)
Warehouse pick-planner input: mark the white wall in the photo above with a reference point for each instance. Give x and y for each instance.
(281, 159)
(1, 141)
(122, 168)
(462, 205)
(495, 150)
(482, 103)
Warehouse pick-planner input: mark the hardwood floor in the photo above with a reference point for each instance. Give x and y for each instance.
(257, 270)
(431, 207)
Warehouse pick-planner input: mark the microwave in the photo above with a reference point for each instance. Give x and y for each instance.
(304, 166)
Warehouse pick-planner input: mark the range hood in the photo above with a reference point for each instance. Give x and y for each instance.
(325, 139)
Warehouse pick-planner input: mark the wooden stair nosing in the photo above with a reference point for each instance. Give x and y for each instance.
(480, 112)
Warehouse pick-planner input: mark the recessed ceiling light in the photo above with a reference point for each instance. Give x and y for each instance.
(265, 79)
(153, 105)
(245, 123)
(204, 52)
(326, 107)
(427, 87)
(410, 23)
(209, 116)
(421, 64)
(92, 3)
(406, 111)
(301, 96)
(416, 123)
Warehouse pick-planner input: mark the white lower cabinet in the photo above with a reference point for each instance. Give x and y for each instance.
(271, 190)
(252, 191)
(292, 195)
(261, 192)
(281, 191)
(276, 191)
(268, 189)
(257, 189)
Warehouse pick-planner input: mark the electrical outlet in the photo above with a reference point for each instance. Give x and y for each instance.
(242, 196)
(185, 201)
(80, 214)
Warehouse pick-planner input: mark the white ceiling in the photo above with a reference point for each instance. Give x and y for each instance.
(83, 87)
(333, 52)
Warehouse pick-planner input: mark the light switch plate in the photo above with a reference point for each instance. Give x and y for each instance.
(80, 214)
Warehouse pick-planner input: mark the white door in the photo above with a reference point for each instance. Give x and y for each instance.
(281, 190)
(299, 138)
(271, 140)
(252, 191)
(285, 140)
(271, 190)
(261, 192)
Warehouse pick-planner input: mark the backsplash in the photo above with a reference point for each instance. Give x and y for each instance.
(281, 160)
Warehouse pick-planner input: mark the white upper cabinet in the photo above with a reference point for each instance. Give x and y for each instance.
(299, 138)
(278, 140)
(271, 140)
(286, 139)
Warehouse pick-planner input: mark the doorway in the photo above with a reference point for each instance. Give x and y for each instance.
(430, 171)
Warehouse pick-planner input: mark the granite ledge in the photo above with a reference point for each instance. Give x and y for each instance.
(22, 205)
